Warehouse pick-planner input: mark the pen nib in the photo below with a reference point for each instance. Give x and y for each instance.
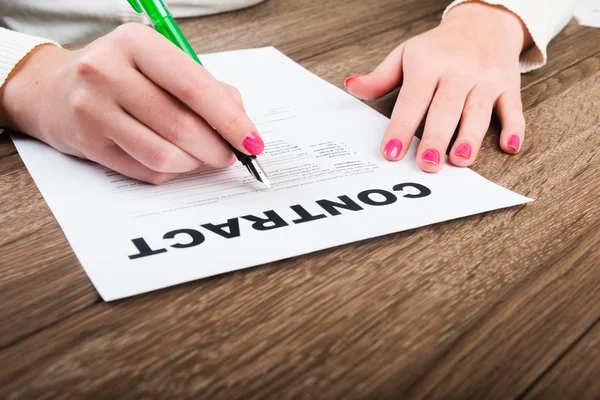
(258, 172)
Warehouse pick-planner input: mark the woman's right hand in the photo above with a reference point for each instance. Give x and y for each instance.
(131, 101)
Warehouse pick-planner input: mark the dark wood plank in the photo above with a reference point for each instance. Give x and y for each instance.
(574, 44)
(11, 163)
(525, 331)
(444, 311)
(40, 278)
(303, 28)
(557, 83)
(6, 146)
(576, 375)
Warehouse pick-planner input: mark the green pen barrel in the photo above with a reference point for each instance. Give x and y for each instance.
(169, 29)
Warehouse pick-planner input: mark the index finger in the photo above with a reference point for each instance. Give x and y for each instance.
(411, 106)
(180, 75)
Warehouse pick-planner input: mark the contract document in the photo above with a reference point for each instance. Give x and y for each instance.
(331, 186)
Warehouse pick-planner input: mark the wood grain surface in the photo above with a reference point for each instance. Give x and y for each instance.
(504, 304)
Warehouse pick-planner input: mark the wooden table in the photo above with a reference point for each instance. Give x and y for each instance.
(500, 305)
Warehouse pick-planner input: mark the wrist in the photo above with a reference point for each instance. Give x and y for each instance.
(512, 28)
(24, 86)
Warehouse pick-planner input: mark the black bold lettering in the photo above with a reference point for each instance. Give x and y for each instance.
(234, 228)
(273, 221)
(423, 190)
(304, 215)
(365, 197)
(332, 207)
(195, 236)
(143, 249)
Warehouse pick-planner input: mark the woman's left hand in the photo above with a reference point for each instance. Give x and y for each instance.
(458, 71)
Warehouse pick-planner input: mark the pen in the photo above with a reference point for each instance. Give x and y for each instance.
(162, 20)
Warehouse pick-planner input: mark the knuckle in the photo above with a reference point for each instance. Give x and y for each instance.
(182, 128)
(512, 110)
(161, 160)
(476, 107)
(94, 67)
(519, 123)
(191, 88)
(414, 70)
(188, 93)
(234, 92)
(87, 66)
(515, 122)
(444, 103)
(79, 102)
(126, 32)
(232, 123)
(410, 96)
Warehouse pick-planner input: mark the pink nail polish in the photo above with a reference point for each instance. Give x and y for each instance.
(350, 78)
(254, 144)
(514, 142)
(431, 156)
(392, 149)
(463, 150)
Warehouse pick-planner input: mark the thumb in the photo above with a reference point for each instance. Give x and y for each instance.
(385, 78)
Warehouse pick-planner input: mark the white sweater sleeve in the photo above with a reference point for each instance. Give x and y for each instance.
(14, 47)
(543, 18)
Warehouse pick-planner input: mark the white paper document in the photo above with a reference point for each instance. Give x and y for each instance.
(330, 184)
(587, 12)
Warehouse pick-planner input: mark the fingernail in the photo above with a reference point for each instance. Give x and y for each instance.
(392, 149)
(233, 161)
(463, 150)
(514, 142)
(350, 78)
(431, 156)
(254, 144)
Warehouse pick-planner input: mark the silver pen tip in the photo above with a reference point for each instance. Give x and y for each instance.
(259, 173)
(266, 182)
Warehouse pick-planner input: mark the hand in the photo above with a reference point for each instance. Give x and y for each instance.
(459, 71)
(131, 101)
